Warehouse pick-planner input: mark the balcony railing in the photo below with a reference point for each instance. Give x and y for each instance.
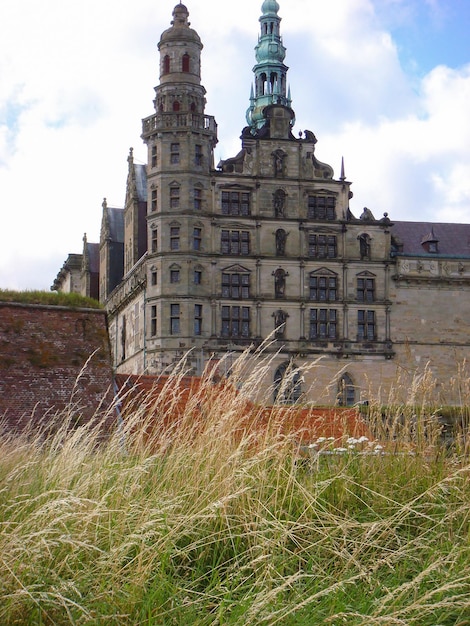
(163, 121)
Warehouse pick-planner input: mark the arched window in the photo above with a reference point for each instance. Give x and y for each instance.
(166, 64)
(346, 391)
(287, 384)
(176, 105)
(185, 62)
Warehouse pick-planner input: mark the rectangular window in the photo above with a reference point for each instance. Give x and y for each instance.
(174, 238)
(235, 286)
(153, 278)
(197, 238)
(235, 242)
(235, 203)
(366, 325)
(198, 319)
(321, 208)
(365, 290)
(174, 319)
(236, 321)
(323, 324)
(174, 276)
(198, 157)
(154, 156)
(153, 321)
(322, 246)
(174, 197)
(197, 199)
(154, 205)
(175, 153)
(154, 243)
(197, 277)
(323, 288)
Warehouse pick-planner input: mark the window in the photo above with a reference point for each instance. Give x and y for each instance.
(153, 320)
(235, 203)
(154, 242)
(175, 153)
(366, 325)
(174, 197)
(346, 392)
(321, 208)
(236, 321)
(154, 278)
(365, 290)
(198, 157)
(197, 198)
(176, 106)
(323, 324)
(174, 238)
(197, 277)
(166, 64)
(154, 204)
(287, 384)
(323, 288)
(185, 63)
(197, 238)
(235, 242)
(174, 275)
(322, 246)
(235, 285)
(154, 156)
(174, 319)
(198, 319)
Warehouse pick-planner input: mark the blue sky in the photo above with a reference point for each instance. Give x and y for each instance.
(383, 83)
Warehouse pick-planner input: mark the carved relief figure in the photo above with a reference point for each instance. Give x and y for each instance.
(278, 157)
(281, 237)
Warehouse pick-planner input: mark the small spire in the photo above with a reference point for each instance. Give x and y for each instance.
(343, 175)
(104, 204)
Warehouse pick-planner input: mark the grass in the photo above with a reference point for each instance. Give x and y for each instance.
(190, 524)
(73, 300)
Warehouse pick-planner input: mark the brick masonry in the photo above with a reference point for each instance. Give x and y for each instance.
(52, 358)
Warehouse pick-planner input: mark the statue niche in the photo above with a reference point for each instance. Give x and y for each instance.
(280, 283)
(279, 203)
(280, 318)
(281, 237)
(279, 159)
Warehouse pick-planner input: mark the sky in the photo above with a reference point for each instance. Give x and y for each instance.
(383, 83)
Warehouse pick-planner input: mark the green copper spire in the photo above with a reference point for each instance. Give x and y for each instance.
(270, 86)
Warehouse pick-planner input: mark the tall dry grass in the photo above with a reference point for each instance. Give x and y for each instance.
(210, 522)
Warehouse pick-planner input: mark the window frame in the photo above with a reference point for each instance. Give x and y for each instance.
(323, 324)
(235, 322)
(235, 202)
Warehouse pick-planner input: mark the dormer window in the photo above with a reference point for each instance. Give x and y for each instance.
(430, 242)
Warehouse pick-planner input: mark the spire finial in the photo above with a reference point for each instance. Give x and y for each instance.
(343, 175)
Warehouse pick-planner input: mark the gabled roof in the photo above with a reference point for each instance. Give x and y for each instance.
(453, 239)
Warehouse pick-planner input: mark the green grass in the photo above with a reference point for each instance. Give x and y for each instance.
(193, 525)
(49, 298)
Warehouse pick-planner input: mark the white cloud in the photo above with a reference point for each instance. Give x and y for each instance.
(76, 78)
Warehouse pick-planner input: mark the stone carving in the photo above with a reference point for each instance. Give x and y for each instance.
(281, 237)
(279, 203)
(280, 318)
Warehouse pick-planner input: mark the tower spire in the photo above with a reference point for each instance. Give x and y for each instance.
(270, 80)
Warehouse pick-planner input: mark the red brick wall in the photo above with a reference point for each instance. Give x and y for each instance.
(43, 351)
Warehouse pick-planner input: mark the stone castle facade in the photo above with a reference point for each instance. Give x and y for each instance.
(214, 259)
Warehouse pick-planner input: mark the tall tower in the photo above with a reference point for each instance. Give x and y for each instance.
(270, 81)
(181, 141)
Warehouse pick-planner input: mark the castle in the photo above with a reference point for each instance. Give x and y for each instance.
(209, 259)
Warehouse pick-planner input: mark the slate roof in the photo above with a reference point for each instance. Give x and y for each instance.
(141, 182)
(94, 256)
(116, 224)
(453, 240)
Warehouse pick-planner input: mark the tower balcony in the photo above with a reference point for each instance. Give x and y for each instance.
(166, 121)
